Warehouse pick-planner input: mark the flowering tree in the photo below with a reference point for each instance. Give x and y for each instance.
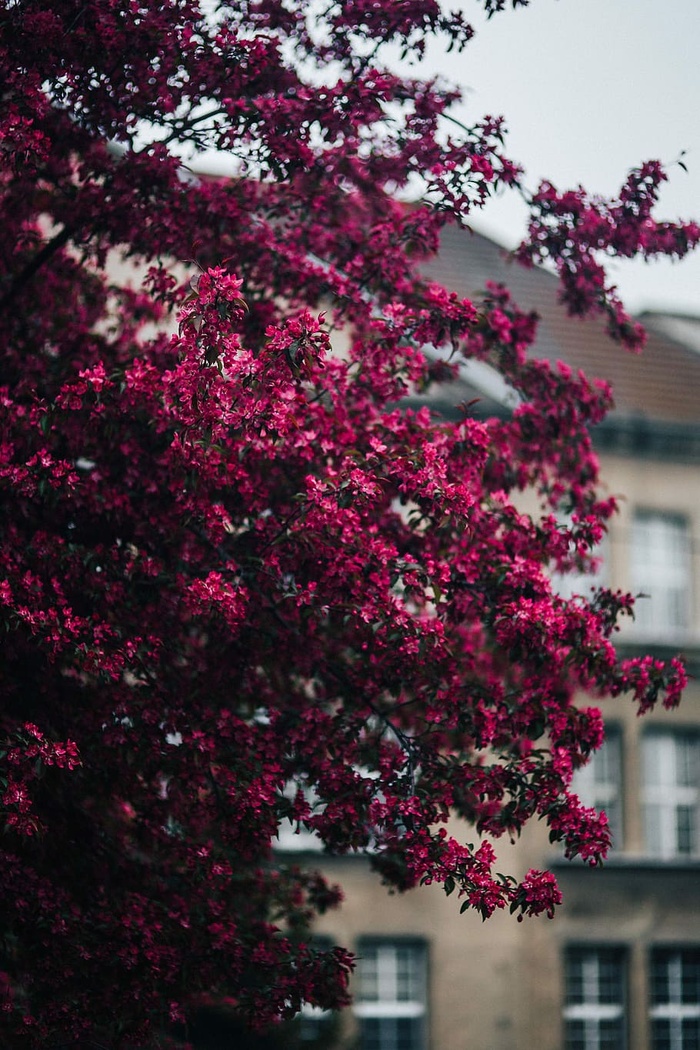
(239, 584)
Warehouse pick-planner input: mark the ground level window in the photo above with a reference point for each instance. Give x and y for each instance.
(594, 1009)
(391, 1033)
(391, 1003)
(675, 999)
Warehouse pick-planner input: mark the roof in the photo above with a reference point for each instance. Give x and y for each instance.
(662, 384)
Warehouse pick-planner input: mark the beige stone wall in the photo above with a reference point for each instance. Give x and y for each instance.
(472, 965)
(499, 985)
(643, 484)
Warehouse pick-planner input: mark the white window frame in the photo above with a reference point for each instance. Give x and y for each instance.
(380, 995)
(675, 1011)
(591, 1012)
(667, 795)
(599, 784)
(661, 569)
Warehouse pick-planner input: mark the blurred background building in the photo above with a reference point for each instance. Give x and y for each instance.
(618, 968)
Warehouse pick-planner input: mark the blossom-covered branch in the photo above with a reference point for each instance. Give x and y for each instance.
(232, 560)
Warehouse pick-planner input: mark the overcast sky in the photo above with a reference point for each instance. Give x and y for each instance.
(589, 89)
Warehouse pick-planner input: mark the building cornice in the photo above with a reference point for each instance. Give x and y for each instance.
(643, 438)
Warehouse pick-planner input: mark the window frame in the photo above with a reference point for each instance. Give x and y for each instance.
(591, 1011)
(673, 1011)
(384, 1007)
(668, 794)
(314, 1023)
(665, 579)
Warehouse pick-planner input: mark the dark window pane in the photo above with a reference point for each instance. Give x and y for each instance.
(685, 830)
(408, 975)
(610, 1035)
(368, 977)
(687, 761)
(675, 993)
(610, 978)
(575, 1035)
(594, 1017)
(661, 1035)
(371, 1034)
(408, 1034)
(391, 1033)
(660, 992)
(690, 977)
(691, 1034)
(574, 978)
(392, 999)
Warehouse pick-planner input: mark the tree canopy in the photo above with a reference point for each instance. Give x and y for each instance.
(241, 583)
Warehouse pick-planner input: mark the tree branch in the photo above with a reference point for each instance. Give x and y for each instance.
(34, 265)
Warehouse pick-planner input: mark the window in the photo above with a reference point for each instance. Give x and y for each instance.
(675, 999)
(391, 999)
(661, 569)
(594, 1012)
(599, 784)
(671, 793)
(293, 837)
(316, 1026)
(568, 584)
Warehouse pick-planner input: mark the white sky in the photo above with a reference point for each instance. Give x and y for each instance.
(589, 89)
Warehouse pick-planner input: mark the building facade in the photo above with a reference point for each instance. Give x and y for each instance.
(618, 968)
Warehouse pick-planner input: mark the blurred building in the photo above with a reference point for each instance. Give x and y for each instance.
(618, 968)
